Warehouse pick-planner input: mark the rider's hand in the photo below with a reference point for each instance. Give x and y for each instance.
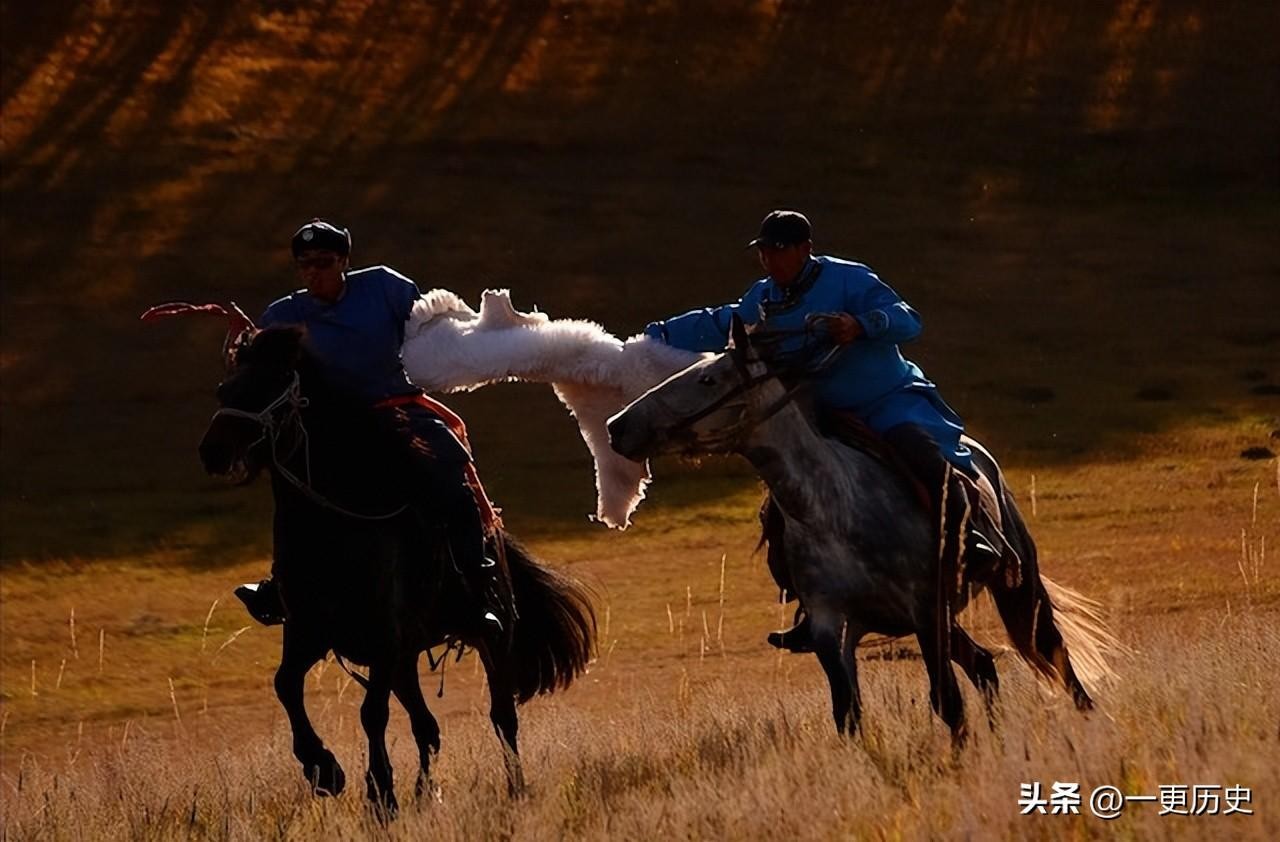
(844, 328)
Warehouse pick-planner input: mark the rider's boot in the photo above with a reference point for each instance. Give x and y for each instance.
(982, 556)
(262, 599)
(479, 573)
(483, 584)
(798, 638)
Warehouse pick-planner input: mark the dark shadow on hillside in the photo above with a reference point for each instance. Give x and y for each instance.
(1075, 197)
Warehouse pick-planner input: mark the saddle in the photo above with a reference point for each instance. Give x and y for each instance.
(975, 546)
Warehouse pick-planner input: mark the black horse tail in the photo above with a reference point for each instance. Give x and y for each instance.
(555, 631)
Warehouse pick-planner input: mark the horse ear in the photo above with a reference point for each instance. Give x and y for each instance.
(739, 341)
(740, 348)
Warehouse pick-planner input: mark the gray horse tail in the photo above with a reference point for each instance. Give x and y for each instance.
(1058, 631)
(1092, 645)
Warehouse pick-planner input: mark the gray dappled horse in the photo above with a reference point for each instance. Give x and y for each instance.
(861, 552)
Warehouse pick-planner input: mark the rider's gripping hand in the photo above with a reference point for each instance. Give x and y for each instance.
(844, 328)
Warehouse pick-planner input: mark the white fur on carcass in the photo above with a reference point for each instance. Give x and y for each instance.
(449, 347)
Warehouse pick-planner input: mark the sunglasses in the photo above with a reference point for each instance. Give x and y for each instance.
(323, 262)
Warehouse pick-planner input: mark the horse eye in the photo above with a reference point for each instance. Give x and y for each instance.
(707, 380)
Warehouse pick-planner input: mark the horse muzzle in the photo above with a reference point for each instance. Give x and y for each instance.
(630, 438)
(222, 456)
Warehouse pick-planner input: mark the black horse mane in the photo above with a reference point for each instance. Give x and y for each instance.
(276, 351)
(277, 347)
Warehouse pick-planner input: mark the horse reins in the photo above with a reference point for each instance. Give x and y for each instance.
(272, 428)
(748, 381)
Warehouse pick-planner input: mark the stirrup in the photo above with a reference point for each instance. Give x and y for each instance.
(981, 543)
(798, 638)
(262, 601)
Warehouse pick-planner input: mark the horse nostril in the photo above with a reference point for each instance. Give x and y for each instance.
(622, 438)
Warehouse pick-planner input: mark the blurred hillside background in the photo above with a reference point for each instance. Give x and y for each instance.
(1081, 199)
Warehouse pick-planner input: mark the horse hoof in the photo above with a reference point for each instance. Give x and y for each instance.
(516, 786)
(326, 776)
(385, 805)
(428, 790)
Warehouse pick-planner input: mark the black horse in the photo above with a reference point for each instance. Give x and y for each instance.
(360, 574)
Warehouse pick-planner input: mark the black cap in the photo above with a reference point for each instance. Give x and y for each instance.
(782, 228)
(318, 234)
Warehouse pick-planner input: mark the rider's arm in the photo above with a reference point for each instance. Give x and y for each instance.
(706, 329)
(401, 294)
(880, 311)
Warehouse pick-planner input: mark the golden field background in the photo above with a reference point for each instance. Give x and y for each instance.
(1081, 199)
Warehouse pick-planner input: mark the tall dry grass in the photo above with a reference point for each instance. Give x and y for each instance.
(711, 755)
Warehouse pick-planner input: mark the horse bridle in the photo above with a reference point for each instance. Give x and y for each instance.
(748, 381)
(273, 426)
(266, 419)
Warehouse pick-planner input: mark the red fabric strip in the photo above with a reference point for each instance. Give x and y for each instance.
(490, 514)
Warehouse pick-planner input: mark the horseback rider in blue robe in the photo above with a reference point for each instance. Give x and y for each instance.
(355, 323)
(869, 378)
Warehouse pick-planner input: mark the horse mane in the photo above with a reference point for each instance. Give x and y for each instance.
(345, 413)
(278, 346)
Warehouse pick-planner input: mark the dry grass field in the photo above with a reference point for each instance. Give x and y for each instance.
(149, 713)
(719, 749)
(1080, 198)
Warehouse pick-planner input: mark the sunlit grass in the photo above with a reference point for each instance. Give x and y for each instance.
(714, 749)
(684, 701)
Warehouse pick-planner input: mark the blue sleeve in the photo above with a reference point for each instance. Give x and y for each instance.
(883, 314)
(706, 329)
(280, 312)
(401, 293)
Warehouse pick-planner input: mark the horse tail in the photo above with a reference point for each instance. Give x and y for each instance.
(1085, 634)
(555, 630)
(1059, 632)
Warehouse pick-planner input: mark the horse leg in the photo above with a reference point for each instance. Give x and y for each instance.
(833, 642)
(979, 665)
(319, 766)
(944, 692)
(374, 712)
(426, 731)
(502, 713)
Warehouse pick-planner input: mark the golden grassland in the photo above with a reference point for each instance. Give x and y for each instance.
(713, 753)
(1078, 198)
(137, 704)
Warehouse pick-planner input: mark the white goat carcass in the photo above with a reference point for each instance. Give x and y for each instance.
(449, 347)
